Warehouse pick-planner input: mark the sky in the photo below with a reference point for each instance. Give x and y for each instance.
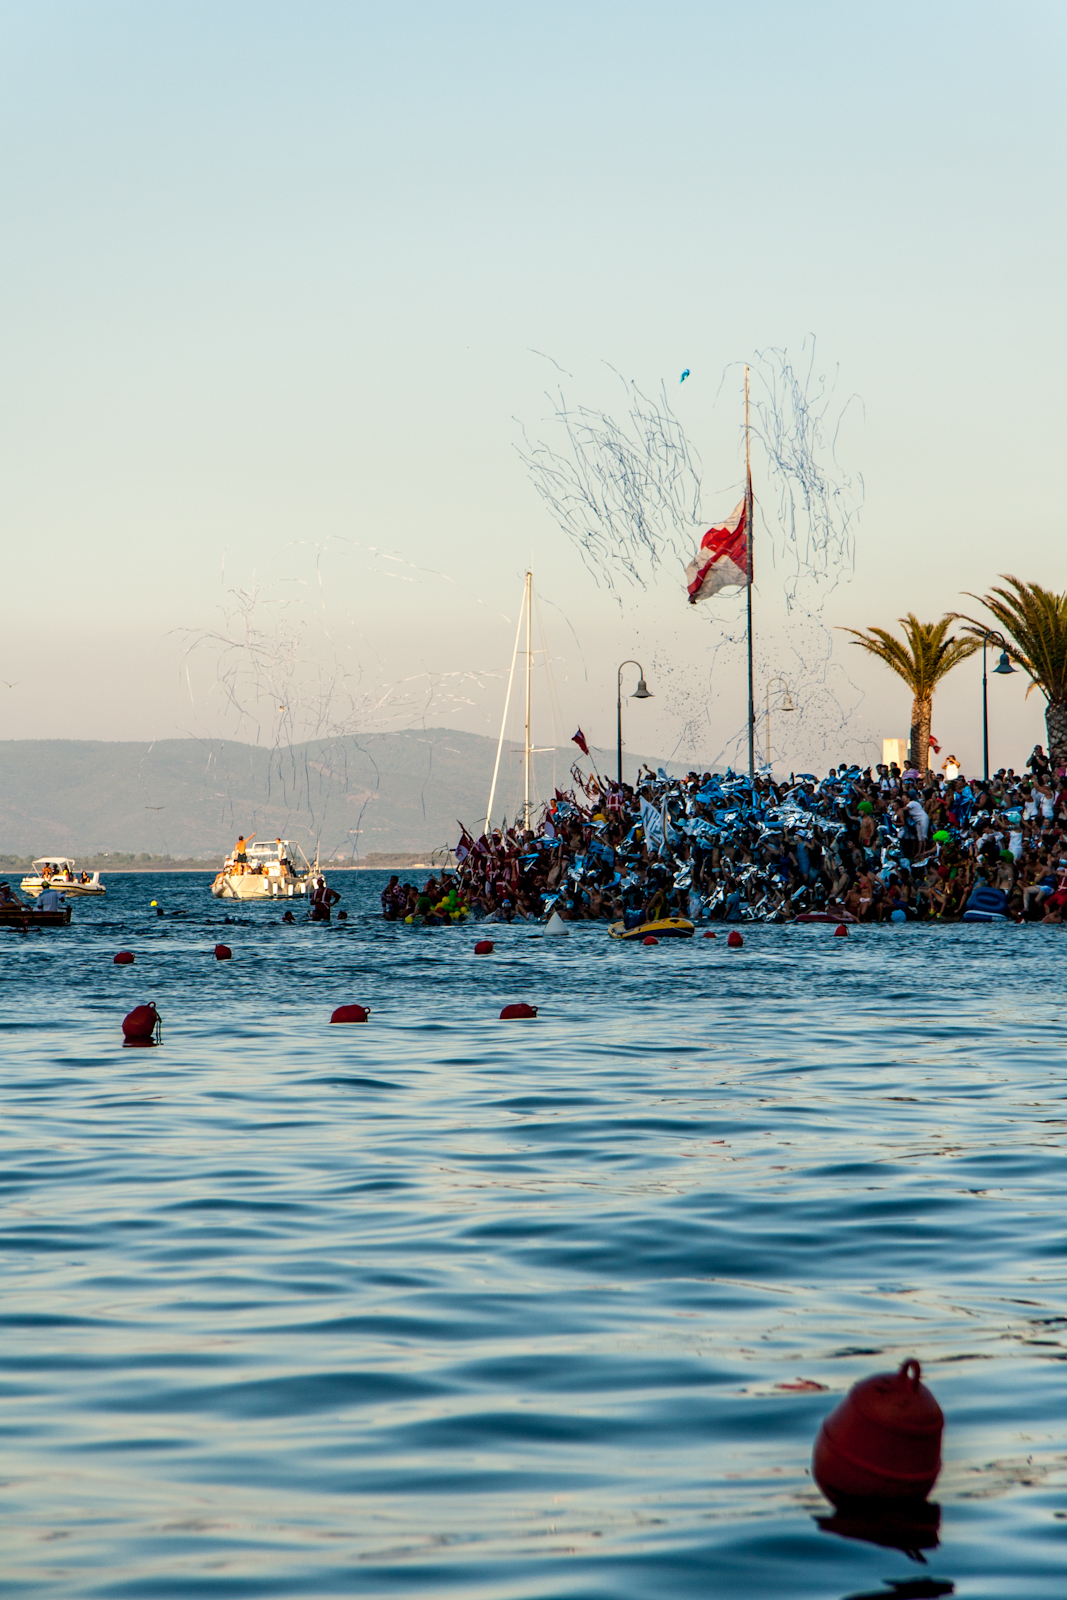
(282, 287)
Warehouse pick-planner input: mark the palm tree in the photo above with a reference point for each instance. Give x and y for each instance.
(1035, 621)
(922, 661)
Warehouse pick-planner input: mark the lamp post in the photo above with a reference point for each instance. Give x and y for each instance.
(642, 692)
(787, 705)
(1003, 667)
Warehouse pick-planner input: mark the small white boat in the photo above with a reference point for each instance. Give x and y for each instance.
(60, 872)
(268, 872)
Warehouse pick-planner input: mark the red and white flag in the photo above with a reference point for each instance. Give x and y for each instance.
(579, 739)
(722, 560)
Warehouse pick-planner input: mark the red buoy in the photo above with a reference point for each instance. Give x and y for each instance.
(484, 947)
(511, 1013)
(223, 952)
(840, 932)
(141, 1025)
(884, 1439)
(649, 939)
(124, 959)
(350, 1014)
(734, 940)
(708, 934)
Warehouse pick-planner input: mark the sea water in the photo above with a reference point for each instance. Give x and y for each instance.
(442, 1305)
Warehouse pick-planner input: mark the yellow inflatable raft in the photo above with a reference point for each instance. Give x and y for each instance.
(665, 928)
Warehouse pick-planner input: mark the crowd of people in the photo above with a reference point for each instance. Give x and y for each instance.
(875, 844)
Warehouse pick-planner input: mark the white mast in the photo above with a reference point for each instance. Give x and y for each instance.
(529, 664)
(503, 726)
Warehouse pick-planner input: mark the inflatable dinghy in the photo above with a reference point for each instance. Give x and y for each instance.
(986, 904)
(664, 928)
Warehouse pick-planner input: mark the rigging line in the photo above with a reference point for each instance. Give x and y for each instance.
(555, 710)
(504, 720)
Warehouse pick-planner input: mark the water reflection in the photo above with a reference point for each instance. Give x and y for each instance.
(908, 1525)
(908, 1589)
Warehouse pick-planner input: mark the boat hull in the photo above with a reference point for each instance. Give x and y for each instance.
(31, 917)
(247, 886)
(72, 891)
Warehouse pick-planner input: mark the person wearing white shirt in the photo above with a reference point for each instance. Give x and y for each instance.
(919, 820)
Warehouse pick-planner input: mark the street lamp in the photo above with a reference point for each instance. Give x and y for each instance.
(787, 705)
(642, 692)
(1003, 667)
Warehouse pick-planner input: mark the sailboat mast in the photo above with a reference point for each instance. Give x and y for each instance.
(503, 728)
(529, 660)
(748, 591)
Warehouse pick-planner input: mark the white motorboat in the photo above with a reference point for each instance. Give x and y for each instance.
(60, 872)
(268, 872)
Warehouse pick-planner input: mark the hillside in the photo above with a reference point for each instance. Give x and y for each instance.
(187, 797)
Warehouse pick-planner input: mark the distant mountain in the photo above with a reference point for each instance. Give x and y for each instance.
(191, 797)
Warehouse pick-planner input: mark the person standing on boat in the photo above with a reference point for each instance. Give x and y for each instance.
(240, 853)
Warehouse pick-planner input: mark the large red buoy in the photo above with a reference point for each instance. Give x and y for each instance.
(734, 939)
(141, 1025)
(884, 1439)
(840, 932)
(124, 959)
(511, 1013)
(350, 1014)
(223, 952)
(650, 939)
(484, 947)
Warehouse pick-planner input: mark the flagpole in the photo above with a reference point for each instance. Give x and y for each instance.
(748, 552)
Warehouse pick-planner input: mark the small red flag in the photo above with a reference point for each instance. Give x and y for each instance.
(579, 739)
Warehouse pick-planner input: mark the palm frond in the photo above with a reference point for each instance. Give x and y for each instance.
(1034, 621)
(925, 655)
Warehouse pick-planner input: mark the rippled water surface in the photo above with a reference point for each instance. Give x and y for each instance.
(447, 1306)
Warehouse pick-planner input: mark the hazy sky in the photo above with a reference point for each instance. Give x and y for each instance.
(272, 277)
